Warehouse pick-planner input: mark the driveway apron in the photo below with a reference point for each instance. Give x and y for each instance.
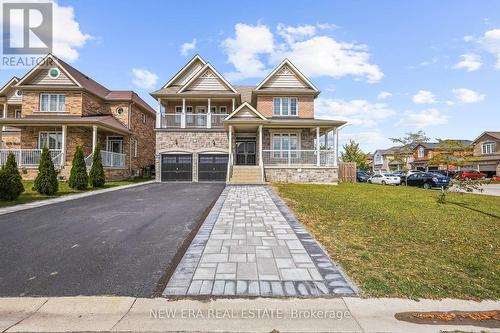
(251, 245)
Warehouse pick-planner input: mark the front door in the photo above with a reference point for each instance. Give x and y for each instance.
(245, 152)
(115, 145)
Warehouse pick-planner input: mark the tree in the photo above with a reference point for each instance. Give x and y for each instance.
(451, 153)
(11, 183)
(46, 180)
(96, 174)
(407, 143)
(352, 153)
(78, 179)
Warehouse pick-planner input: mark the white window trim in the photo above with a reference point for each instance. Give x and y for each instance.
(48, 133)
(225, 107)
(488, 144)
(289, 106)
(379, 159)
(281, 133)
(421, 152)
(136, 148)
(110, 138)
(48, 102)
(199, 107)
(143, 117)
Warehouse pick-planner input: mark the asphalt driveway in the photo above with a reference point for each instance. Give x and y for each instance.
(117, 243)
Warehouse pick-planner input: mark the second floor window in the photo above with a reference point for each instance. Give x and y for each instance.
(285, 106)
(488, 148)
(52, 103)
(421, 152)
(379, 159)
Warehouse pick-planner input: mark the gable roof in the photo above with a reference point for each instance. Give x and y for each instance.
(494, 134)
(184, 69)
(202, 71)
(294, 69)
(11, 82)
(249, 107)
(90, 85)
(434, 145)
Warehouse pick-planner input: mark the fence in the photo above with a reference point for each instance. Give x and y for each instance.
(347, 172)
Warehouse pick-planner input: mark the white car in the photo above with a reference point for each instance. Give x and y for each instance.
(385, 179)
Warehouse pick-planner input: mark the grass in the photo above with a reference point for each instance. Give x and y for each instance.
(399, 242)
(29, 195)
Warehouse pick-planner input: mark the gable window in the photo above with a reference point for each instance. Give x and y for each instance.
(54, 73)
(52, 103)
(488, 148)
(285, 106)
(284, 142)
(421, 152)
(51, 140)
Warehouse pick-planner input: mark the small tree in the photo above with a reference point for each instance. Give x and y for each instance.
(352, 153)
(406, 145)
(96, 174)
(46, 180)
(78, 179)
(11, 184)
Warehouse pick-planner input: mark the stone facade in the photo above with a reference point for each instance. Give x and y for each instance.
(305, 106)
(320, 175)
(193, 142)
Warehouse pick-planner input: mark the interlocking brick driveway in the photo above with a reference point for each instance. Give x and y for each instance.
(251, 245)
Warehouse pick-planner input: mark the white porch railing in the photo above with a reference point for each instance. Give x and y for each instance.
(109, 159)
(30, 157)
(196, 120)
(191, 120)
(298, 157)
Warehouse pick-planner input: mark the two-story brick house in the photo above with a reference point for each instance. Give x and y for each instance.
(209, 129)
(58, 107)
(385, 160)
(486, 154)
(10, 106)
(424, 154)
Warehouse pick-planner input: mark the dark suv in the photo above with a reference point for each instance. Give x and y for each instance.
(428, 180)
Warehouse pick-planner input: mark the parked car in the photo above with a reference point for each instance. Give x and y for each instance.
(404, 175)
(385, 179)
(362, 176)
(428, 180)
(450, 174)
(495, 178)
(470, 174)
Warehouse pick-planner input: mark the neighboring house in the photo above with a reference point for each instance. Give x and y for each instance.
(211, 130)
(423, 153)
(58, 107)
(384, 160)
(10, 100)
(486, 154)
(369, 160)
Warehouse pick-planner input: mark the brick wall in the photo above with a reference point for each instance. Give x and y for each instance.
(145, 136)
(124, 117)
(305, 106)
(31, 103)
(92, 105)
(307, 138)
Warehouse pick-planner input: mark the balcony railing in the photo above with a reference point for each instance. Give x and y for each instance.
(191, 120)
(298, 157)
(30, 157)
(109, 159)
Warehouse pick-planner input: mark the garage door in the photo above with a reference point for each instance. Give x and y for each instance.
(212, 167)
(177, 167)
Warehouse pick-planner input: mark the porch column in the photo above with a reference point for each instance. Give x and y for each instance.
(183, 116)
(5, 106)
(335, 146)
(318, 158)
(94, 138)
(63, 144)
(230, 162)
(234, 104)
(209, 114)
(158, 114)
(261, 162)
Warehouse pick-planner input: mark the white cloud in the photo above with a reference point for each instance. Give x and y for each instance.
(357, 112)
(244, 50)
(144, 78)
(468, 96)
(421, 119)
(188, 47)
(468, 38)
(255, 48)
(384, 95)
(424, 97)
(491, 43)
(470, 62)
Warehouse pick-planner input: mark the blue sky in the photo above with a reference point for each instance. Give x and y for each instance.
(388, 67)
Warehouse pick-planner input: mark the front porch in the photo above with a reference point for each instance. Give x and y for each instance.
(62, 140)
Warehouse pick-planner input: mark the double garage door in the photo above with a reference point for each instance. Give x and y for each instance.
(179, 167)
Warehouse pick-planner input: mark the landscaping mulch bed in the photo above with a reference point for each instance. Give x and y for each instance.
(489, 319)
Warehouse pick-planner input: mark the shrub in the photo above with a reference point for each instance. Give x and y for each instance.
(46, 180)
(11, 184)
(78, 179)
(96, 175)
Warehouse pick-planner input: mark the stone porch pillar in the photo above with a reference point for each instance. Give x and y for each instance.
(318, 158)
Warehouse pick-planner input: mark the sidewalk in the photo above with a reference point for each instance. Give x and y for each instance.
(127, 314)
(69, 197)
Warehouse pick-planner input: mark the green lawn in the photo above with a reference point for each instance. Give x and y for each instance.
(398, 242)
(29, 195)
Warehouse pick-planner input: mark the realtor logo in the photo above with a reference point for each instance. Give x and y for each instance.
(26, 31)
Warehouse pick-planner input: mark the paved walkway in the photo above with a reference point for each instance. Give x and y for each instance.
(251, 245)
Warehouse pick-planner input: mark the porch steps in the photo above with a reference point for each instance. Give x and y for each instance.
(246, 174)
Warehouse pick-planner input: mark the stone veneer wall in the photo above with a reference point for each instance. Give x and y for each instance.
(320, 175)
(192, 142)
